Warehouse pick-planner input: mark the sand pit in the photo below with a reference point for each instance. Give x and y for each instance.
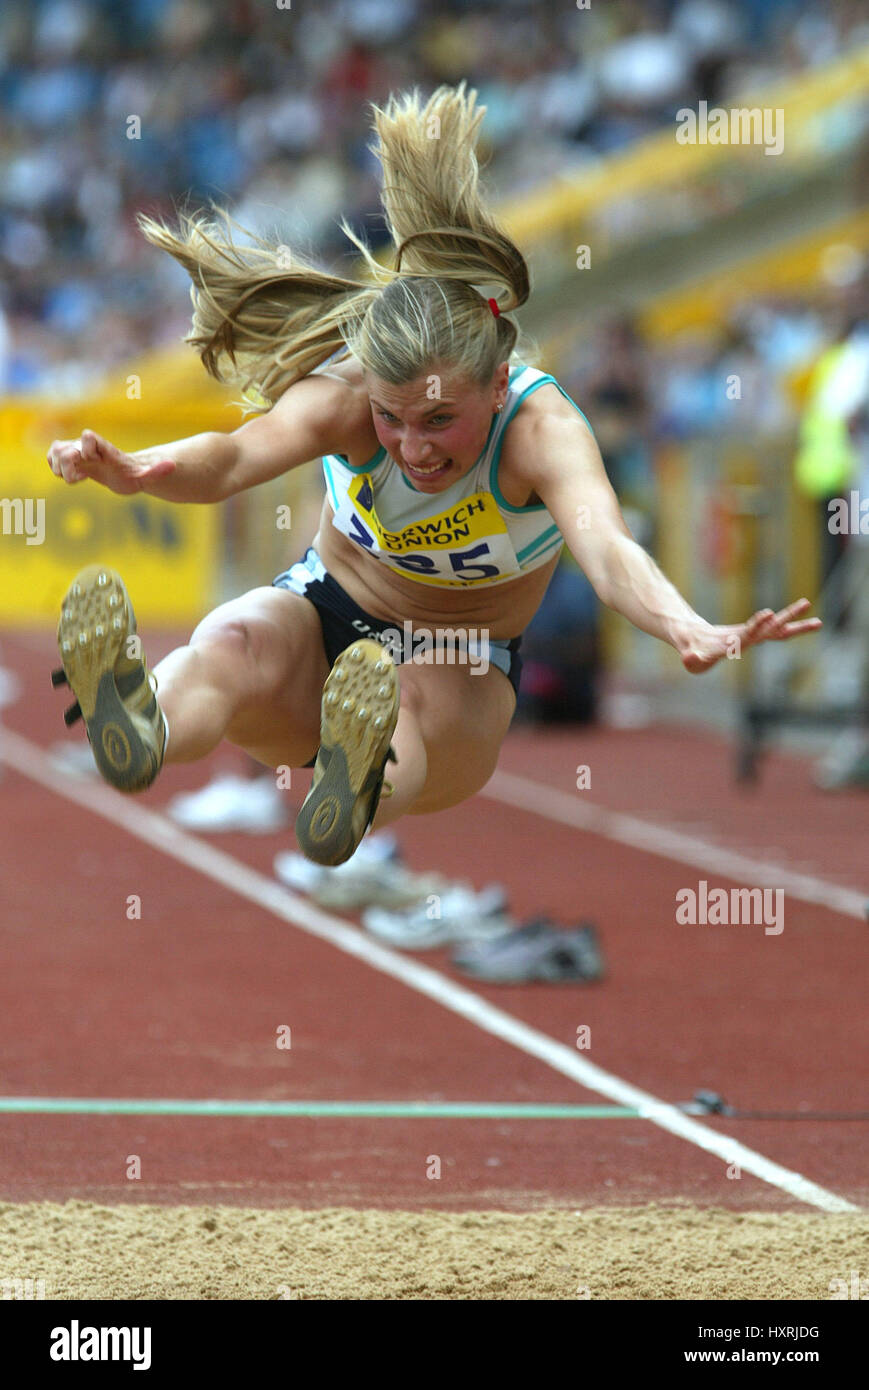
(81, 1250)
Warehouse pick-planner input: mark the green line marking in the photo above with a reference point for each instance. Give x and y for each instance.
(377, 1109)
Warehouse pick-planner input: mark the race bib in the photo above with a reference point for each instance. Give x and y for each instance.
(467, 544)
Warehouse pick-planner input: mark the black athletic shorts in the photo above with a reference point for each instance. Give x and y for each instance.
(342, 620)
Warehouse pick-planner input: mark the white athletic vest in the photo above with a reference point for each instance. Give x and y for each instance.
(468, 534)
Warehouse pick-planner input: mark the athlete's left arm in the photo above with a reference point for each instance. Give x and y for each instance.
(568, 475)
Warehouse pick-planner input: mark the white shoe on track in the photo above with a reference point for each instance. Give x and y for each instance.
(372, 877)
(456, 914)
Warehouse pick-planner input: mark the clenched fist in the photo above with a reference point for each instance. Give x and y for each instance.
(75, 460)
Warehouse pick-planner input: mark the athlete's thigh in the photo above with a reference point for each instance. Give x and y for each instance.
(280, 666)
(463, 718)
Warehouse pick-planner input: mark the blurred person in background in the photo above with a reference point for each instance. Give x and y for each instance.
(841, 412)
(561, 652)
(826, 462)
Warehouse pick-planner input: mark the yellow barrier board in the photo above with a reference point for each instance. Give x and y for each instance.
(168, 555)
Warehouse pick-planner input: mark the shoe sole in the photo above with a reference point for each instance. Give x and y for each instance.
(358, 715)
(96, 620)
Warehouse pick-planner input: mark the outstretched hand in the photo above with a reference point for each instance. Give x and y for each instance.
(75, 460)
(706, 648)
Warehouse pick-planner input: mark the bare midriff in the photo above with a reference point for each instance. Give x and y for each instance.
(504, 610)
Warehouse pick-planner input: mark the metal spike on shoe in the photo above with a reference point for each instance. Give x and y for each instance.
(359, 712)
(114, 693)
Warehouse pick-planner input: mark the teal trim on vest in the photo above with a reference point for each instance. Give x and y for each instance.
(330, 484)
(366, 467)
(570, 399)
(496, 457)
(540, 544)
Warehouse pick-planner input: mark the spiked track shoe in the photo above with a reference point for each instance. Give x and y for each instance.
(107, 674)
(357, 720)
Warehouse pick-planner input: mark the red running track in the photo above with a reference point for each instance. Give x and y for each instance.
(185, 1002)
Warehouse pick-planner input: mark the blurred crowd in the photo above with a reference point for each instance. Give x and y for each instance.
(108, 107)
(747, 374)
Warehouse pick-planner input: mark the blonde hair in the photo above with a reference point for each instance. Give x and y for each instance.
(274, 317)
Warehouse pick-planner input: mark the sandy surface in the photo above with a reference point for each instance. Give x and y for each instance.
(82, 1250)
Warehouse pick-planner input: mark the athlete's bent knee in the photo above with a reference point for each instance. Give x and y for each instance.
(215, 630)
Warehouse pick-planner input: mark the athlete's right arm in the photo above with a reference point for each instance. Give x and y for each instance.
(317, 415)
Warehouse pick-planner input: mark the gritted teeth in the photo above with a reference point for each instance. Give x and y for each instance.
(434, 468)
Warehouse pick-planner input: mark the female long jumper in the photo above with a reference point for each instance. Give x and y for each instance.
(454, 474)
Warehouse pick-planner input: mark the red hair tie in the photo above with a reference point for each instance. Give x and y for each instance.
(493, 305)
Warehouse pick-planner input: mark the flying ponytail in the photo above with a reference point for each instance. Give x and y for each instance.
(274, 317)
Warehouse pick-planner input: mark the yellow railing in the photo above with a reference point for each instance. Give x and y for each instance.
(658, 160)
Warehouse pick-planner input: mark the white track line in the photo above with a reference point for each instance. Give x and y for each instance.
(29, 760)
(526, 795)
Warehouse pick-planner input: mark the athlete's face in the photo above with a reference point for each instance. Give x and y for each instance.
(436, 426)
